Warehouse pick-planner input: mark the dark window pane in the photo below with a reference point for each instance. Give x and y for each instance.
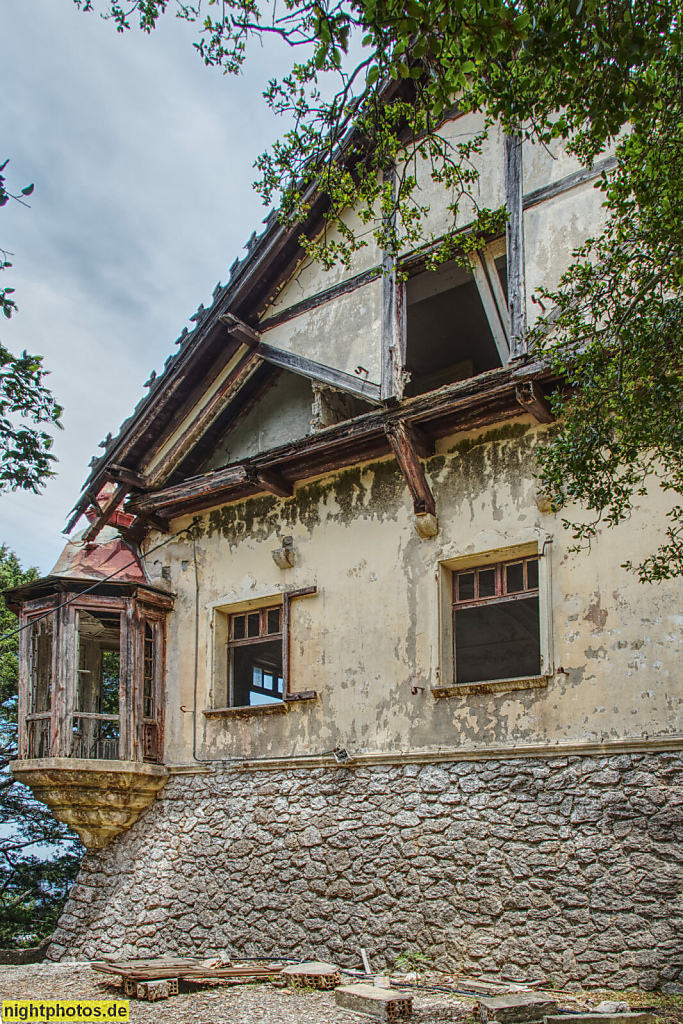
(253, 621)
(238, 624)
(487, 583)
(466, 586)
(257, 673)
(273, 620)
(514, 578)
(532, 574)
(497, 641)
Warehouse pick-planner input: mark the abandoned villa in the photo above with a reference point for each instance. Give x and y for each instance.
(321, 671)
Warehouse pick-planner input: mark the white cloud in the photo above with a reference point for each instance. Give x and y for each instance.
(142, 160)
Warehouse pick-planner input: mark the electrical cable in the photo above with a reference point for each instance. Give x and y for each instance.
(77, 597)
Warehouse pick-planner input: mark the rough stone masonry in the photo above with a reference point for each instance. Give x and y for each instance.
(566, 869)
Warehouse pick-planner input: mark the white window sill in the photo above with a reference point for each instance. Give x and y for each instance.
(490, 686)
(281, 708)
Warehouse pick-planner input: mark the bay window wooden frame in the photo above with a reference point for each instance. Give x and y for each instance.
(140, 737)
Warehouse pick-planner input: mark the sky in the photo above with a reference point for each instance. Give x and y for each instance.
(142, 162)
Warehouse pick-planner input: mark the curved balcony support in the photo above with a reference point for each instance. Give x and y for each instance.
(97, 799)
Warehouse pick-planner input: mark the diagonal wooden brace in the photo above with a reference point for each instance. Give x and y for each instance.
(405, 446)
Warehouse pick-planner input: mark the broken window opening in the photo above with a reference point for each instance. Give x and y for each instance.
(255, 663)
(456, 322)
(96, 705)
(40, 683)
(496, 625)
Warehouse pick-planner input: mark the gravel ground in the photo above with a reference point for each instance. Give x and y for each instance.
(266, 1004)
(237, 1004)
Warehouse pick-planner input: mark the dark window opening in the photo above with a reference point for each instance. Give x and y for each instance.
(255, 658)
(496, 626)
(96, 706)
(449, 337)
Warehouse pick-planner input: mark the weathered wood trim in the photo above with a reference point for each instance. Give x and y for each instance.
(120, 475)
(319, 372)
(242, 332)
(268, 480)
(570, 181)
(204, 418)
(399, 437)
(393, 321)
(287, 598)
(488, 301)
(319, 299)
(532, 400)
(498, 294)
(465, 405)
(515, 244)
(108, 509)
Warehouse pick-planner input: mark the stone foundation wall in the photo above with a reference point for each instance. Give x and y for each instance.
(566, 869)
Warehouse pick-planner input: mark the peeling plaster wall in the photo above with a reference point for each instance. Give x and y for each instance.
(344, 333)
(372, 631)
(310, 277)
(282, 415)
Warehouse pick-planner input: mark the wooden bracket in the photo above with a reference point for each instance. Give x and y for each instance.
(532, 399)
(268, 480)
(239, 330)
(405, 444)
(108, 508)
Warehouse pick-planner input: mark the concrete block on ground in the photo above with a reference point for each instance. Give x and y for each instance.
(312, 974)
(516, 1007)
(382, 1003)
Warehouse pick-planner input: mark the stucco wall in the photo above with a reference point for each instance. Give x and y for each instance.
(561, 869)
(371, 633)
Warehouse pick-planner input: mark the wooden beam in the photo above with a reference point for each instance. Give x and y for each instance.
(242, 332)
(268, 480)
(318, 371)
(532, 399)
(497, 289)
(109, 507)
(490, 307)
(515, 245)
(393, 321)
(464, 405)
(121, 475)
(399, 437)
(570, 181)
(320, 298)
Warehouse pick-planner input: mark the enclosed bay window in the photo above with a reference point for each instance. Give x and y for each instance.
(91, 674)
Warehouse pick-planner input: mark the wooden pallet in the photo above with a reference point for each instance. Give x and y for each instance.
(136, 974)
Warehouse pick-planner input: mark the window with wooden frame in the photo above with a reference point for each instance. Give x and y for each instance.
(251, 655)
(255, 662)
(496, 631)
